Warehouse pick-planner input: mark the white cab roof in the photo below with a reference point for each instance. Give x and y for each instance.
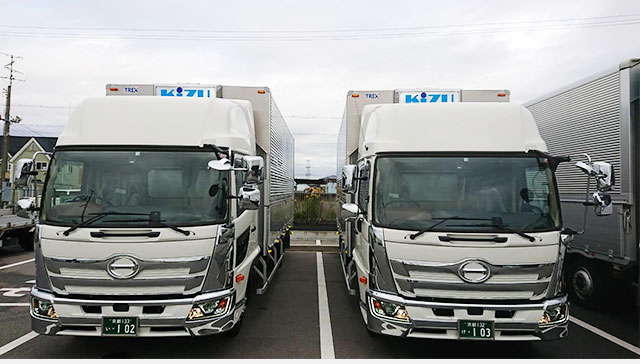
(465, 126)
(149, 120)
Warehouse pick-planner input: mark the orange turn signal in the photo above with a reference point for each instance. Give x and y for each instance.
(363, 280)
(240, 278)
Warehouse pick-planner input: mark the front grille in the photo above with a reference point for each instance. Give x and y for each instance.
(171, 276)
(442, 280)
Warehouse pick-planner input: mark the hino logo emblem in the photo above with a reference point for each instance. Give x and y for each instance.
(123, 267)
(474, 271)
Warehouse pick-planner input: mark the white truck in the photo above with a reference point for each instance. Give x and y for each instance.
(598, 115)
(451, 226)
(183, 200)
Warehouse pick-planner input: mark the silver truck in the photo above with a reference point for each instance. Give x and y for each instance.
(183, 199)
(599, 116)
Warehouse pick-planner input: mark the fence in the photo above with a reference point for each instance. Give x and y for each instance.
(315, 211)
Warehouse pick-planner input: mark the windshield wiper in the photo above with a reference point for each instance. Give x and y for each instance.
(497, 223)
(442, 220)
(159, 222)
(98, 216)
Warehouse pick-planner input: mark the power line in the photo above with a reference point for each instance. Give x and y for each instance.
(616, 23)
(43, 106)
(320, 30)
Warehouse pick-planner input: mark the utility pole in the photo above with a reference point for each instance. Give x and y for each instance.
(7, 120)
(308, 168)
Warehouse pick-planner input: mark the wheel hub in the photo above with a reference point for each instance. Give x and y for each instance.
(583, 283)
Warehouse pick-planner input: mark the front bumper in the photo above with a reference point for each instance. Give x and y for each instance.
(515, 322)
(79, 317)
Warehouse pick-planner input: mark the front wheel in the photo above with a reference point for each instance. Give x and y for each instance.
(587, 282)
(25, 239)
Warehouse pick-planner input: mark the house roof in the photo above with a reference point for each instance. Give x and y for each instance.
(17, 142)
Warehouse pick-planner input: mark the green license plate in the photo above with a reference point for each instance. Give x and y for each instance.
(125, 326)
(482, 330)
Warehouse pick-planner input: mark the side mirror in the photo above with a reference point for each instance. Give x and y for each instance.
(220, 164)
(254, 166)
(602, 203)
(349, 211)
(349, 178)
(249, 198)
(25, 203)
(605, 180)
(606, 177)
(603, 173)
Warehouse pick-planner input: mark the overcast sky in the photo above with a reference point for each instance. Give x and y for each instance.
(309, 53)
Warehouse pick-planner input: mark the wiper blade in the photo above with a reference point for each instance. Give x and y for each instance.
(150, 221)
(174, 228)
(161, 223)
(84, 223)
(443, 219)
(503, 228)
(97, 216)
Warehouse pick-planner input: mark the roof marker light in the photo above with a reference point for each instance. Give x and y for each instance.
(502, 94)
(261, 91)
(355, 95)
(113, 89)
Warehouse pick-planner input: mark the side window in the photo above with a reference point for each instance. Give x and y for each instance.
(66, 182)
(363, 189)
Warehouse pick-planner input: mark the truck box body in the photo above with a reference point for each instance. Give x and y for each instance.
(158, 242)
(598, 116)
(431, 243)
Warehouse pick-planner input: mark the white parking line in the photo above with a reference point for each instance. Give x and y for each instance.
(605, 335)
(18, 263)
(326, 337)
(317, 241)
(14, 304)
(17, 342)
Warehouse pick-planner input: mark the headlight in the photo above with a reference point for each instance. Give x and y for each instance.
(209, 309)
(554, 315)
(389, 311)
(43, 309)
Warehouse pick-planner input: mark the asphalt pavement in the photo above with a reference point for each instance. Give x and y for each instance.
(286, 322)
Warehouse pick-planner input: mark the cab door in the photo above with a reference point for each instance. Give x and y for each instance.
(245, 234)
(361, 226)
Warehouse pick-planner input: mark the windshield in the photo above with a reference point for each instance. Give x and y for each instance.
(172, 187)
(472, 193)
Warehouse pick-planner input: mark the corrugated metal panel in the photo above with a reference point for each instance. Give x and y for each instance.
(281, 156)
(585, 119)
(342, 156)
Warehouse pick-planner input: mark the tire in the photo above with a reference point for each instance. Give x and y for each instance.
(587, 282)
(25, 239)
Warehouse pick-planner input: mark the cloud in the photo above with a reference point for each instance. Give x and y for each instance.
(307, 78)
